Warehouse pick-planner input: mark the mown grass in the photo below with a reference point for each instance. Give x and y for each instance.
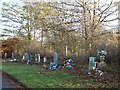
(29, 76)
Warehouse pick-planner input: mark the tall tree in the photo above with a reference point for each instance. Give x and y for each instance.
(91, 15)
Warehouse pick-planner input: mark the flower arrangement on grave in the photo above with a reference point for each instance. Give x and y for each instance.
(68, 64)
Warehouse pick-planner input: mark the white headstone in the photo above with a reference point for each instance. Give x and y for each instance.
(91, 64)
(45, 59)
(12, 55)
(5, 55)
(28, 61)
(38, 58)
(23, 58)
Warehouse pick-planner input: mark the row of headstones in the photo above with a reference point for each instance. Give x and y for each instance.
(36, 57)
(6, 55)
(53, 64)
(11, 59)
(93, 66)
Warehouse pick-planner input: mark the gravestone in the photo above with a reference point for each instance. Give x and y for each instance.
(23, 58)
(98, 70)
(26, 58)
(53, 63)
(44, 63)
(28, 61)
(91, 66)
(38, 58)
(5, 55)
(31, 58)
(12, 55)
(55, 57)
(45, 59)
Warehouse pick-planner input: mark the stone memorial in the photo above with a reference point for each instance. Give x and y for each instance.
(45, 59)
(5, 55)
(12, 55)
(26, 58)
(102, 58)
(28, 61)
(44, 63)
(54, 62)
(23, 58)
(92, 66)
(55, 57)
(38, 58)
(95, 68)
(13, 58)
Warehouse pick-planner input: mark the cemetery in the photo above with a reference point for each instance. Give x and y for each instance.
(60, 45)
(79, 74)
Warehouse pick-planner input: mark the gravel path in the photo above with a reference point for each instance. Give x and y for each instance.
(7, 82)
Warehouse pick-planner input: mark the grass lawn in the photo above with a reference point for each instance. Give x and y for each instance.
(29, 75)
